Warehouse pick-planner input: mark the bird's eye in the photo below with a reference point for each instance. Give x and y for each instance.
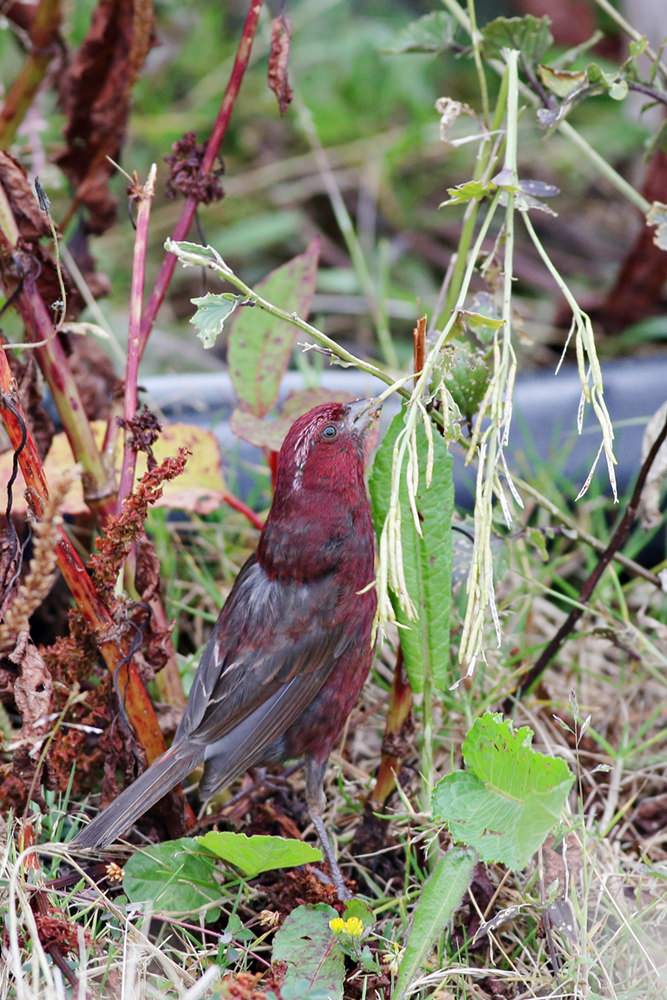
(329, 432)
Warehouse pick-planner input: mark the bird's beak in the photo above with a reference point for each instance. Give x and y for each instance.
(362, 414)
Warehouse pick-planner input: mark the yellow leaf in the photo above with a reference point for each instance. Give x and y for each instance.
(201, 488)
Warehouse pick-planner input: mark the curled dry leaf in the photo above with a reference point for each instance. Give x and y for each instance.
(33, 689)
(95, 95)
(649, 504)
(31, 223)
(281, 32)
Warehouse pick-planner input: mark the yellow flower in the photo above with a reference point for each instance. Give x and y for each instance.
(352, 926)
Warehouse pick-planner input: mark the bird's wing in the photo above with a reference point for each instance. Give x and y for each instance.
(275, 641)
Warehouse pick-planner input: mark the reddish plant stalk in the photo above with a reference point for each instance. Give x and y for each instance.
(182, 227)
(243, 508)
(138, 705)
(145, 198)
(394, 742)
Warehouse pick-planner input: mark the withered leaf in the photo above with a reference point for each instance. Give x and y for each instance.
(281, 32)
(29, 218)
(95, 95)
(33, 690)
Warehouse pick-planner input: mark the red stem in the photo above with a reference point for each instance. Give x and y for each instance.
(243, 508)
(182, 227)
(145, 196)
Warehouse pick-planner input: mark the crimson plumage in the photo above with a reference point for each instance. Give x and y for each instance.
(291, 648)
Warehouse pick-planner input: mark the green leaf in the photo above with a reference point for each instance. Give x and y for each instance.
(427, 559)
(618, 89)
(466, 371)
(315, 962)
(470, 191)
(510, 796)
(531, 35)
(257, 854)
(211, 313)
(195, 255)
(176, 877)
(440, 896)
(260, 346)
(431, 33)
(562, 82)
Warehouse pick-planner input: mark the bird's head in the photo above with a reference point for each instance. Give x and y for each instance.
(324, 448)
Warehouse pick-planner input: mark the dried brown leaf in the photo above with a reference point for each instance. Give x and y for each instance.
(281, 32)
(95, 95)
(33, 690)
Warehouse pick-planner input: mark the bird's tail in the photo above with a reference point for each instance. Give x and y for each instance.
(167, 771)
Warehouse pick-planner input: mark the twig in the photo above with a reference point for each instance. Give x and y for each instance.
(182, 227)
(659, 96)
(144, 196)
(617, 540)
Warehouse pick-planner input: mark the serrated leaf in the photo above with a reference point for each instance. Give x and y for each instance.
(439, 898)
(427, 559)
(562, 82)
(212, 310)
(257, 854)
(176, 877)
(431, 33)
(510, 796)
(259, 345)
(529, 34)
(315, 962)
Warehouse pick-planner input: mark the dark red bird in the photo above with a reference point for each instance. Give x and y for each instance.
(291, 648)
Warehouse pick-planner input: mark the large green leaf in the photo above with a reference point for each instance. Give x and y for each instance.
(439, 898)
(257, 854)
(315, 962)
(176, 877)
(260, 346)
(529, 34)
(427, 559)
(431, 34)
(510, 796)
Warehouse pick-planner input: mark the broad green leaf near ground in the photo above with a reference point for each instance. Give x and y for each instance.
(508, 799)
(427, 559)
(257, 854)
(260, 346)
(315, 962)
(175, 877)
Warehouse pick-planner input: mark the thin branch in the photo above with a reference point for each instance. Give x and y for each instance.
(182, 227)
(145, 198)
(617, 540)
